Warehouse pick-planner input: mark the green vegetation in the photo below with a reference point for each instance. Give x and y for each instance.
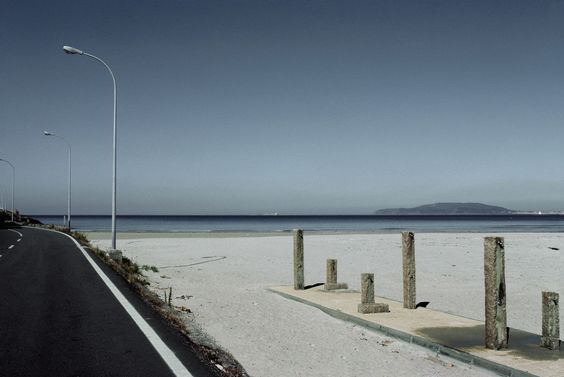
(130, 266)
(149, 268)
(80, 237)
(6, 217)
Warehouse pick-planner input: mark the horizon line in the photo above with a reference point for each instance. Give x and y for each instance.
(536, 213)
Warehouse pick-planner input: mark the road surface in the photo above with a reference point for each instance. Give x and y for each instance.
(59, 318)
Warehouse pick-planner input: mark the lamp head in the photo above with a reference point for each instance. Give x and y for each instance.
(72, 50)
(47, 133)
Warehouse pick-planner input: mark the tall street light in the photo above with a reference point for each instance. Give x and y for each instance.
(13, 183)
(46, 133)
(75, 51)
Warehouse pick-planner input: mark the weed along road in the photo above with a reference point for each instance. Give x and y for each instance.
(63, 313)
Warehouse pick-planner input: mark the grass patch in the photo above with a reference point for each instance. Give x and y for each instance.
(149, 268)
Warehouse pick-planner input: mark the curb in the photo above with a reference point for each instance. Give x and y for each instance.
(456, 354)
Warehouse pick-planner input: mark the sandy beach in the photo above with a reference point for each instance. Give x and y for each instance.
(224, 281)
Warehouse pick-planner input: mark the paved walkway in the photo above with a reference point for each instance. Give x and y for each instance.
(458, 337)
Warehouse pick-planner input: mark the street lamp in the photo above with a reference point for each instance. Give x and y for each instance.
(13, 183)
(46, 133)
(75, 51)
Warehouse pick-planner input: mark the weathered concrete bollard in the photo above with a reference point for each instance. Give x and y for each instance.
(497, 332)
(298, 259)
(408, 257)
(115, 255)
(331, 271)
(331, 278)
(367, 304)
(550, 321)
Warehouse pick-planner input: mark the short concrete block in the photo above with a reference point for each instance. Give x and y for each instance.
(115, 255)
(373, 308)
(550, 343)
(331, 271)
(333, 286)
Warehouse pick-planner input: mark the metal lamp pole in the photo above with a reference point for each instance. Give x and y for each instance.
(75, 51)
(13, 184)
(46, 133)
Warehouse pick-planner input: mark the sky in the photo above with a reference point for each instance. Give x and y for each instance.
(294, 107)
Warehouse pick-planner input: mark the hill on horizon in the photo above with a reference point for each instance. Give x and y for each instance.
(447, 209)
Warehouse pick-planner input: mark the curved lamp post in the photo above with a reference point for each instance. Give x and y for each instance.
(46, 133)
(13, 183)
(75, 51)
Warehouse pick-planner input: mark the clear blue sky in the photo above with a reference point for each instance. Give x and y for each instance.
(249, 107)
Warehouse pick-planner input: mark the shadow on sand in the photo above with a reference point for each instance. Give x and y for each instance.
(521, 343)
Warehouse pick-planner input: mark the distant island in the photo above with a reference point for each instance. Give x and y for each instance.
(448, 209)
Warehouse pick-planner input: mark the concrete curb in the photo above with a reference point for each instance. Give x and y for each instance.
(462, 356)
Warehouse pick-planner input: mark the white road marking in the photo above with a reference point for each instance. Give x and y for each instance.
(15, 231)
(9, 247)
(19, 239)
(162, 349)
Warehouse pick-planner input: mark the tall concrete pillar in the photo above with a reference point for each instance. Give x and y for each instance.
(408, 258)
(497, 332)
(550, 321)
(367, 304)
(298, 259)
(331, 277)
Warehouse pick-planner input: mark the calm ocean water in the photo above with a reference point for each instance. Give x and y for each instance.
(377, 224)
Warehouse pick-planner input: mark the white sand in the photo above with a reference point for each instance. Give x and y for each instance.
(272, 336)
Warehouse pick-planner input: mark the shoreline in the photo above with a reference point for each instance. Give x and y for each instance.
(104, 235)
(217, 234)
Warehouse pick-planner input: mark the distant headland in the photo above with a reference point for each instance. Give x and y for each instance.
(448, 209)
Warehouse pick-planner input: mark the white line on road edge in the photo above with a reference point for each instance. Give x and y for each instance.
(19, 239)
(9, 247)
(162, 349)
(15, 231)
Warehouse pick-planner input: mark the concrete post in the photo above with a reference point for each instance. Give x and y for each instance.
(497, 332)
(298, 259)
(408, 256)
(550, 321)
(331, 278)
(367, 288)
(115, 255)
(331, 271)
(367, 304)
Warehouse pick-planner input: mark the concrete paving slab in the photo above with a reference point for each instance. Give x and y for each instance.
(448, 334)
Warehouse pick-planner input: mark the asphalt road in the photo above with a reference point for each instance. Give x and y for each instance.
(58, 317)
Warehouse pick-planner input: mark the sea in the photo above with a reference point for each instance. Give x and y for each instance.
(526, 223)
